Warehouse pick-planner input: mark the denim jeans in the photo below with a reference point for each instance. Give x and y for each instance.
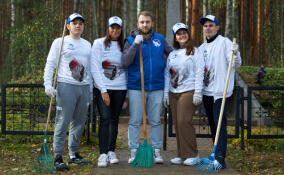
(153, 100)
(109, 116)
(212, 111)
(72, 102)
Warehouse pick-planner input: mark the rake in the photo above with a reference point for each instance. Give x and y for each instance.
(210, 164)
(44, 163)
(144, 156)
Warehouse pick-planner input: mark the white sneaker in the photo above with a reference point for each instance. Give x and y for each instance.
(132, 155)
(102, 161)
(192, 161)
(158, 157)
(176, 161)
(112, 157)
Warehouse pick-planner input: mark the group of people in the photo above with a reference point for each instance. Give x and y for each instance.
(181, 78)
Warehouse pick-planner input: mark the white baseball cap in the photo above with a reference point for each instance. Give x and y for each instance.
(210, 18)
(179, 26)
(74, 16)
(114, 20)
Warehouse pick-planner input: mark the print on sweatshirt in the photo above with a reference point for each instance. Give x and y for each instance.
(77, 70)
(178, 72)
(208, 71)
(111, 71)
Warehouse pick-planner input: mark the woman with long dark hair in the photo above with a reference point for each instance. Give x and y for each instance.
(181, 82)
(106, 61)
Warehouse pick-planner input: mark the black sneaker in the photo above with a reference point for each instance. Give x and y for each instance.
(78, 160)
(59, 164)
(221, 160)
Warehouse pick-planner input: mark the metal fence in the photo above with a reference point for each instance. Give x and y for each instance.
(265, 112)
(24, 109)
(259, 113)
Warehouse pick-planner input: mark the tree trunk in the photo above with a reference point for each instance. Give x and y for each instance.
(228, 28)
(235, 17)
(259, 24)
(173, 8)
(139, 6)
(242, 28)
(204, 12)
(132, 15)
(195, 22)
(251, 22)
(65, 7)
(12, 13)
(2, 43)
(95, 24)
(204, 7)
(102, 17)
(182, 11)
(76, 6)
(118, 9)
(189, 13)
(125, 17)
(163, 18)
(157, 15)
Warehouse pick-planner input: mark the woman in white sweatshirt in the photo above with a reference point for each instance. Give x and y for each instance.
(110, 79)
(180, 86)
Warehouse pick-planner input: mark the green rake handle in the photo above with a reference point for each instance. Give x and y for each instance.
(55, 79)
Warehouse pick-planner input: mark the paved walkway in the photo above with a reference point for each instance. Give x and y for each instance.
(123, 168)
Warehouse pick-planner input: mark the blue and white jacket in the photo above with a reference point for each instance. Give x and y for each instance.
(153, 51)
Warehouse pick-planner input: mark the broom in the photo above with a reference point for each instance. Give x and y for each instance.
(210, 164)
(44, 160)
(144, 156)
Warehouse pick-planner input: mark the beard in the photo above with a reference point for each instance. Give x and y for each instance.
(146, 32)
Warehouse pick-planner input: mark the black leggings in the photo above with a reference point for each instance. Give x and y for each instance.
(109, 117)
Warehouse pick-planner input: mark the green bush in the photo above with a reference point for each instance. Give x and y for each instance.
(271, 100)
(272, 77)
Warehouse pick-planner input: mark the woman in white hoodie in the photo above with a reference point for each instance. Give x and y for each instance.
(181, 83)
(110, 79)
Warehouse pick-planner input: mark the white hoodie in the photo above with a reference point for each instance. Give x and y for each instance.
(216, 56)
(106, 67)
(182, 73)
(72, 49)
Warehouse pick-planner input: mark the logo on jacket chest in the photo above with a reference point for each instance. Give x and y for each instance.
(156, 42)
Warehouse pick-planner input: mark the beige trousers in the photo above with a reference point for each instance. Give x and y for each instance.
(182, 112)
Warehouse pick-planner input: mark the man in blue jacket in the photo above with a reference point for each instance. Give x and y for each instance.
(154, 46)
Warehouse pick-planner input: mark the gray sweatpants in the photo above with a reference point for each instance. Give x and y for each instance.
(72, 103)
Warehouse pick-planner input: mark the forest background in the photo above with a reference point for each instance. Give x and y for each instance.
(28, 27)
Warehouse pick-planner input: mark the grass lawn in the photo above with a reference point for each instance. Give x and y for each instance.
(260, 156)
(19, 152)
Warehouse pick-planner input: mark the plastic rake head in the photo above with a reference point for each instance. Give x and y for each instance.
(44, 161)
(144, 156)
(209, 165)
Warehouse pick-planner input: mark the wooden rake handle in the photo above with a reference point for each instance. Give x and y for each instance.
(143, 91)
(224, 97)
(55, 76)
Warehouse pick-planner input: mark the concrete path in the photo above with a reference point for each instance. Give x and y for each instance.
(123, 168)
